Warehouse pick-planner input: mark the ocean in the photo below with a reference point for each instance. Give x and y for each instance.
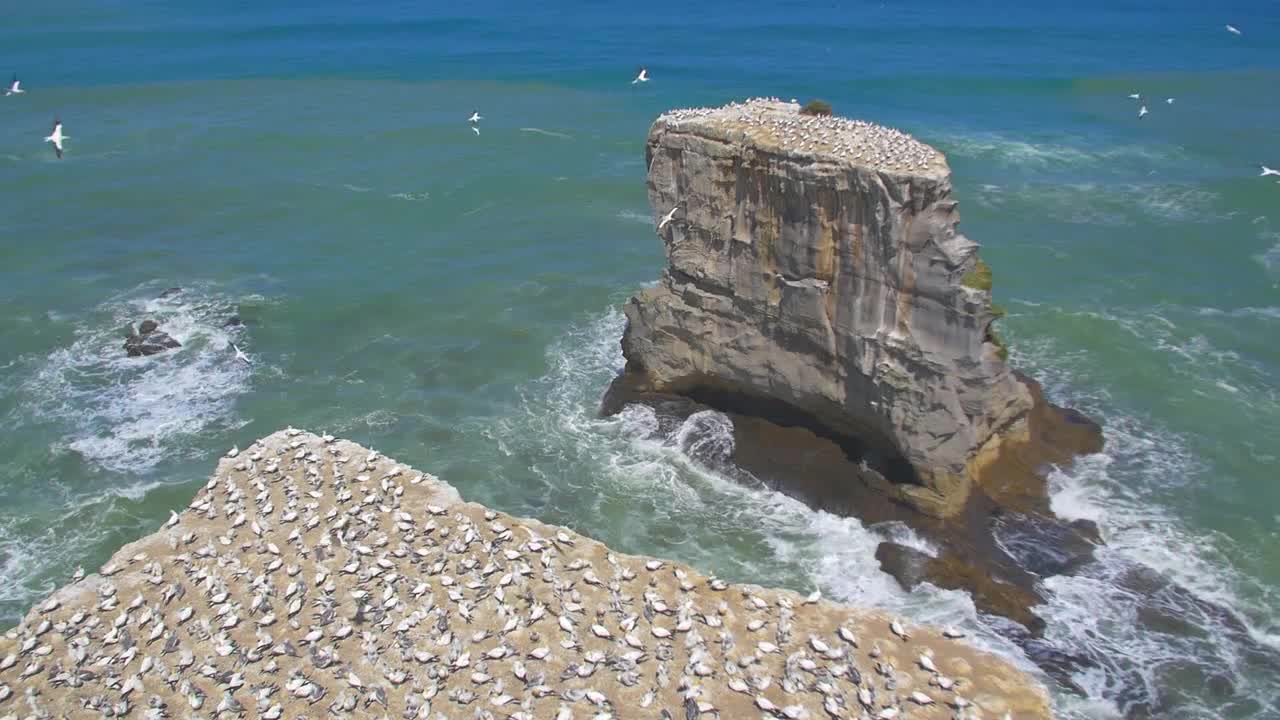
(454, 300)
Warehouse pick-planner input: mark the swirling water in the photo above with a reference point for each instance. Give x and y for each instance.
(454, 300)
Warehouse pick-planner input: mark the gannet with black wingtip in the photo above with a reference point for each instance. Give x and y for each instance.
(56, 137)
(475, 129)
(1268, 171)
(1142, 112)
(642, 77)
(15, 87)
(475, 117)
(240, 354)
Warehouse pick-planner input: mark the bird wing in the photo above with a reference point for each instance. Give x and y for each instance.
(57, 148)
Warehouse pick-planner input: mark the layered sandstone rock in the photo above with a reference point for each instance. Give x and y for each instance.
(815, 262)
(313, 578)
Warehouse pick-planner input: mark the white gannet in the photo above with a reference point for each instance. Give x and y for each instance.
(668, 217)
(240, 354)
(475, 129)
(15, 87)
(1135, 96)
(1268, 171)
(56, 137)
(1142, 111)
(475, 117)
(1234, 30)
(1169, 101)
(643, 76)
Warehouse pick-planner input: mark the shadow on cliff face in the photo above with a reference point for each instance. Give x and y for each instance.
(999, 549)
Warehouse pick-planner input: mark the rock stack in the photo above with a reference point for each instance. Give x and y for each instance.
(814, 264)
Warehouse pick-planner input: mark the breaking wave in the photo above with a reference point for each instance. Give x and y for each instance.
(126, 414)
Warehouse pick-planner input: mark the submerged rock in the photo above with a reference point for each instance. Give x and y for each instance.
(148, 339)
(815, 263)
(310, 576)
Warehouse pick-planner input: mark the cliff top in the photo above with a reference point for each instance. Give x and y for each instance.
(311, 576)
(775, 125)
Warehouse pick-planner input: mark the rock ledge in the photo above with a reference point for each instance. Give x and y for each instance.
(312, 577)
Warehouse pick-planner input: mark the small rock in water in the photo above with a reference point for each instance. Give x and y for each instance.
(148, 339)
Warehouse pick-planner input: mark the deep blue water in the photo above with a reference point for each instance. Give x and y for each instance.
(452, 299)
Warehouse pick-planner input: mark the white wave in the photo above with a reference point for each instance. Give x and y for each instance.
(127, 414)
(548, 133)
(1015, 151)
(1106, 204)
(1270, 312)
(635, 217)
(1270, 258)
(1101, 611)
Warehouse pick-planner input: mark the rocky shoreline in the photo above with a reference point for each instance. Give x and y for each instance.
(311, 576)
(819, 292)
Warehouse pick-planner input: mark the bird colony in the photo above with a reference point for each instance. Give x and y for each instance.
(772, 123)
(313, 578)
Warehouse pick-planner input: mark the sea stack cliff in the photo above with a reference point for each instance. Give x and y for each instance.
(815, 267)
(311, 577)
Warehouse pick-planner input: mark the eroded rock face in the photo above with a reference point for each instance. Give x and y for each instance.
(311, 577)
(816, 262)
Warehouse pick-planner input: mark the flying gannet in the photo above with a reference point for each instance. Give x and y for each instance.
(56, 137)
(668, 217)
(642, 77)
(15, 87)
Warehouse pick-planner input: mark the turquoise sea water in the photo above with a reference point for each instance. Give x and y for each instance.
(452, 300)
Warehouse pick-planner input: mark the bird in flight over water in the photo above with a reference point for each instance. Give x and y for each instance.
(15, 87)
(1268, 171)
(240, 354)
(1234, 30)
(642, 77)
(475, 117)
(56, 137)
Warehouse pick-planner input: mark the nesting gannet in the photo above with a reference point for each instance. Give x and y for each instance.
(56, 137)
(240, 356)
(475, 117)
(642, 76)
(15, 87)
(1268, 171)
(1233, 30)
